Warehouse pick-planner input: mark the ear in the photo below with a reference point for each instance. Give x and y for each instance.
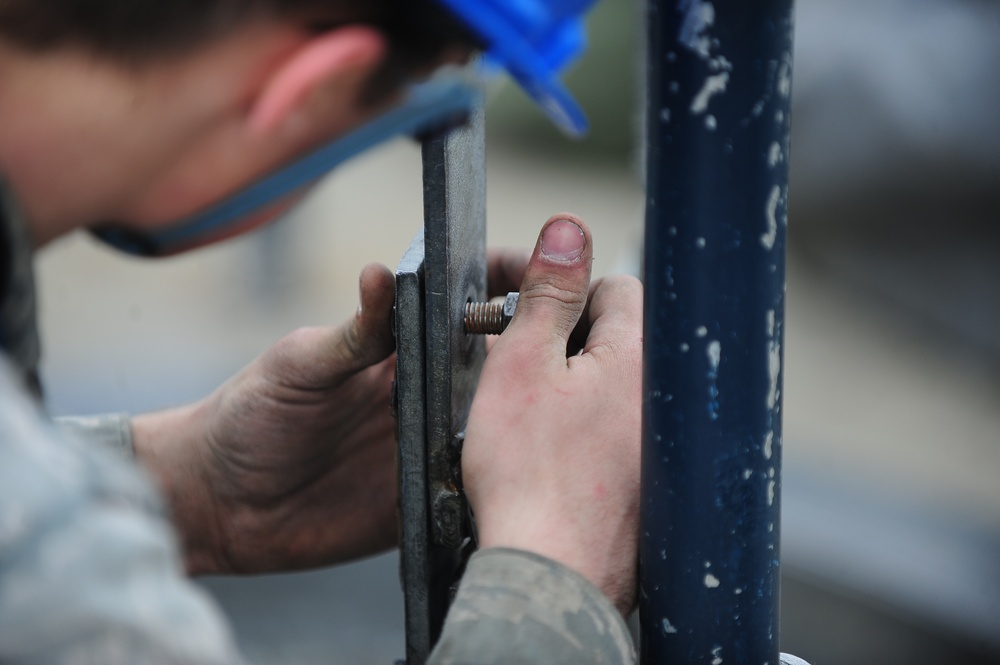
(339, 55)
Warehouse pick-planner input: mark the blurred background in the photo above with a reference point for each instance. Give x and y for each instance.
(891, 525)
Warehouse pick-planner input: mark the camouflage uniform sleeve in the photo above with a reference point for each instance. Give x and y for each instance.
(89, 569)
(112, 431)
(517, 607)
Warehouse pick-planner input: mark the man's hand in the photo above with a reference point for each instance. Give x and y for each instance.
(551, 456)
(290, 464)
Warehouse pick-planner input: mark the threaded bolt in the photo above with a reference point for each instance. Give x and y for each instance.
(485, 318)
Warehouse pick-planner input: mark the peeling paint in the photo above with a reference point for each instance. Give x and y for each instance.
(773, 372)
(774, 155)
(668, 627)
(699, 243)
(717, 655)
(714, 351)
(768, 443)
(713, 86)
(698, 18)
(785, 76)
(711, 123)
(701, 331)
(770, 493)
(711, 581)
(770, 323)
(768, 239)
(720, 63)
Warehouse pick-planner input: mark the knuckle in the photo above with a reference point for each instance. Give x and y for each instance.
(555, 294)
(297, 339)
(625, 287)
(352, 347)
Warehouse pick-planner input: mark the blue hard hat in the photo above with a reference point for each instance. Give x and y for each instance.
(533, 40)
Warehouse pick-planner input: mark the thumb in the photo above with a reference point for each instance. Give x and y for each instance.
(322, 357)
(367, 338)
(555, 285)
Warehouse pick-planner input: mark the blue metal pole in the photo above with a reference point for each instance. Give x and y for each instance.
(718, 119)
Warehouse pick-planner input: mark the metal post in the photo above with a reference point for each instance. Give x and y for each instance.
(437, 369)
(718, 119)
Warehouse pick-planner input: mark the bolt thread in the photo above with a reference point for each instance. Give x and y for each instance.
(483, 318)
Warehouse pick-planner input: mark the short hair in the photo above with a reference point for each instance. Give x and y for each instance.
(418, 31)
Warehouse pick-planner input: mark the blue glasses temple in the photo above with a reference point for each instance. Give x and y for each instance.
(429, 106)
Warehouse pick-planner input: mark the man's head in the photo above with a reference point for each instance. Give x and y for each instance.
(145, 111)
(417, 31)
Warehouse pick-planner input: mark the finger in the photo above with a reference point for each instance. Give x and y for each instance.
(555, 286)
(505, 270)
(578, 338)
(614, 315)
(322, 357)
(367, 338)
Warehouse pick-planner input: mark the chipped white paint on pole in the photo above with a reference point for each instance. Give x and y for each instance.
(714, 352)
(773, 372)
(713, 85)
(698, 18)
(785, 76)
(711, 581)
(774, 155)
(771, 213)
(774, 356)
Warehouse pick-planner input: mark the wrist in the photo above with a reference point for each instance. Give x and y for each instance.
(602, 564)
(170, 446)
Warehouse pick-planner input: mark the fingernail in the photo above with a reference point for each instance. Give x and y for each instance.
(563, 241)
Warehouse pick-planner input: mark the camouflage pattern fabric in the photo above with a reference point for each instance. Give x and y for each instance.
(112, 431)
(518, 607)
(89, 566)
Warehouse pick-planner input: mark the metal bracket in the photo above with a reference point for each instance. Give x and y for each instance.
(437, 370)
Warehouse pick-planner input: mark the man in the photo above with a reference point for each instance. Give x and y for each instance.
(126, 117)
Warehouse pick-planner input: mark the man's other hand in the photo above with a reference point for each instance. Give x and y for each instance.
(292, 463)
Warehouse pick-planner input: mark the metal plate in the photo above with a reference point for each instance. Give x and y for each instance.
(410, 406)
(437, 369)
(455, 273)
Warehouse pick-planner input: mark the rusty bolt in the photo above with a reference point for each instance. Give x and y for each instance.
(485, 318)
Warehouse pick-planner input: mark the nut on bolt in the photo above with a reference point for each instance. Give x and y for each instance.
(486, 318)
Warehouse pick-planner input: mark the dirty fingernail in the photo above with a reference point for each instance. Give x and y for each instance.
(563, 241)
